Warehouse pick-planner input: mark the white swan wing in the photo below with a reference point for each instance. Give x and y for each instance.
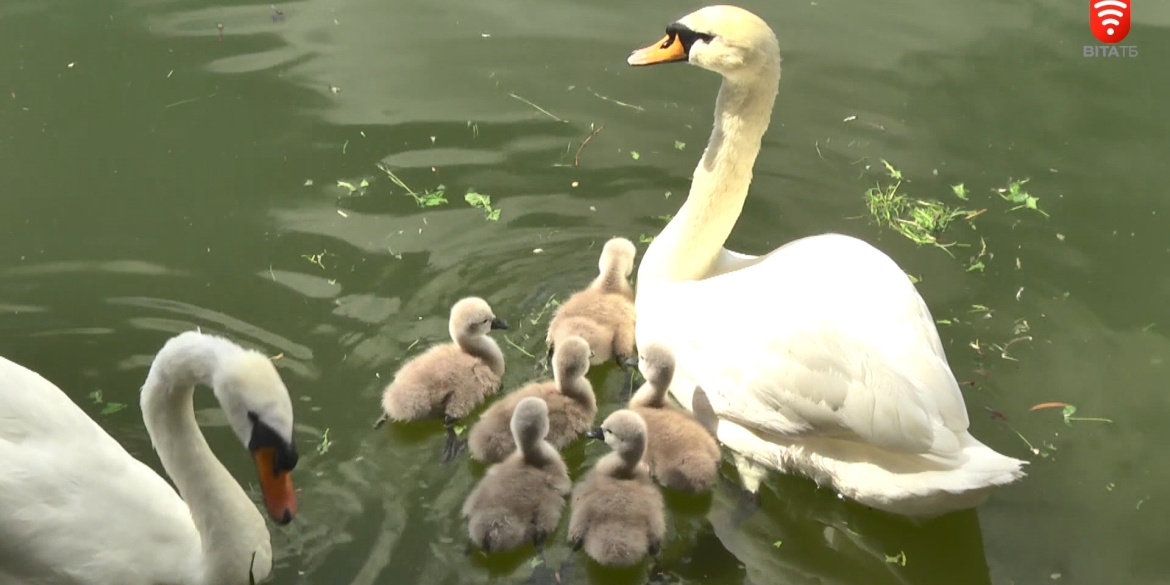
(75, 507)
(823, 337)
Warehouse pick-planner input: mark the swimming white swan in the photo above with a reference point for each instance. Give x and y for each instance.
(77, 509)
(819, 357)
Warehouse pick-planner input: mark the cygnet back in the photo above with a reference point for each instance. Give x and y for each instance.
(569, 396)
(451, 379)
(603, 313)
(681, 453)
(521, 499)
(617, 514)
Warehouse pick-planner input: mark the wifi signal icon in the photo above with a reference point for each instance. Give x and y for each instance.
(1109, 19)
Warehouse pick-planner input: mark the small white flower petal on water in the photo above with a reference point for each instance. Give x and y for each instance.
(537, 250)
(341, 213)
(849, 119)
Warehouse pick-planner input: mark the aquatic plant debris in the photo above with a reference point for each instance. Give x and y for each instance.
(919, 220)
(427, 198)
(1067, 412)
(960, 191)
(483, 202)
(898, 559)
(323, 446)
(618, 102)
(109, 407)
(1014, 193)
(316, 258)
(577, 157)
(538, 108)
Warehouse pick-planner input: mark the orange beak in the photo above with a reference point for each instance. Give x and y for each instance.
(667, 50)
(279, 495)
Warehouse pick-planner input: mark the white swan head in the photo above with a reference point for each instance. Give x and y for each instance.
(259, 410)
(725, 39)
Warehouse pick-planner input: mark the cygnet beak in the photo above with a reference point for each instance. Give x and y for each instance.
(499, 323)
(595, 433)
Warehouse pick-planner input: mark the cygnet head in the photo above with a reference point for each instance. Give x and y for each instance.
(618, 255)
(725, 39)
(625, 432)
(529, 422)
(473, 317)
(656, 362)
(571, 359)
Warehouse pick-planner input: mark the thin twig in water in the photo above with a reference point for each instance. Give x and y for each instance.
(522, 350)
(187, 101)
(620, 103)
(538, 108)
(577, 158)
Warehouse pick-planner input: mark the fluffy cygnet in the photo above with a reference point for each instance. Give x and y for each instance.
(450, 379)
(520, 499)
(571, 406)
(617, 514)
(682, 453)
(603, 313)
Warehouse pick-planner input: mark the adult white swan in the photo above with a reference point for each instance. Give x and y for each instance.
(819, 357)
(77, 509)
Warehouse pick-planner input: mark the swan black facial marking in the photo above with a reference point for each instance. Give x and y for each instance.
(285, 458)
(682, 33)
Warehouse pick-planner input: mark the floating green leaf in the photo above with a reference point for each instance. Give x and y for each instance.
(112, 407)
(1070, 410)
(1015, 193)
(323, 446)
(895, 173)
(960, 191)
(483, 202)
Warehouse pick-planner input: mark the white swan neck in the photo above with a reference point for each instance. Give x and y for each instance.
(693, 240)
(227, 520)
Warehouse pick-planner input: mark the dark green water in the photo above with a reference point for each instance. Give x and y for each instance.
(156, 178)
